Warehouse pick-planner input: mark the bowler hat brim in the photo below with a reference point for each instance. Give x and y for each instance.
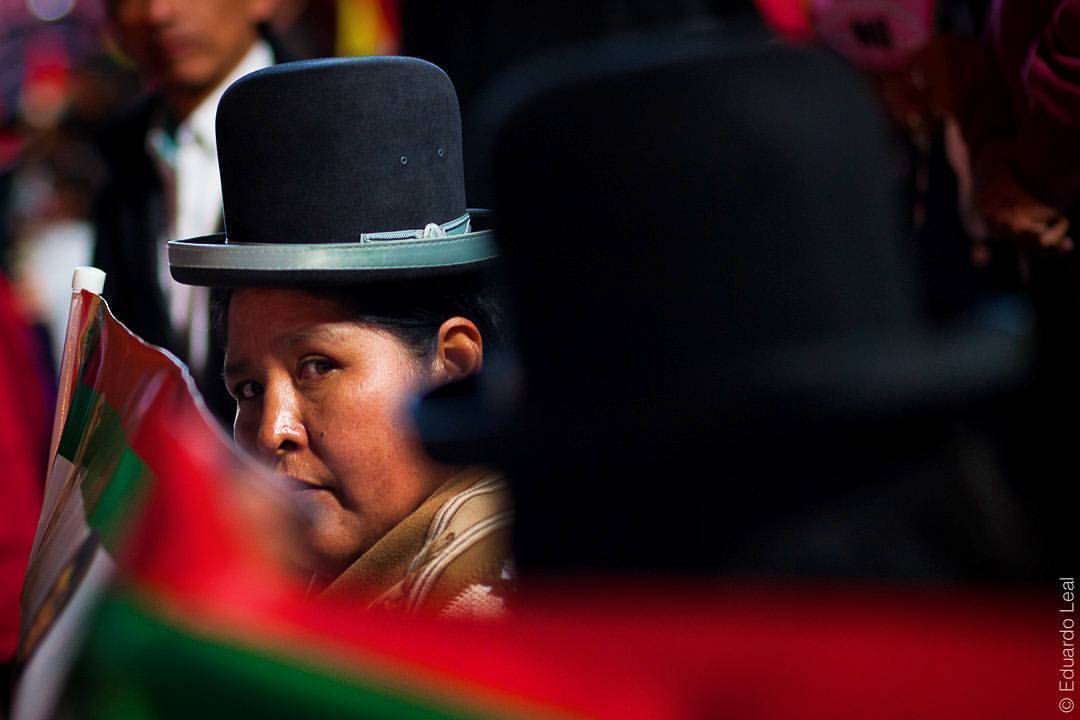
(211, 260)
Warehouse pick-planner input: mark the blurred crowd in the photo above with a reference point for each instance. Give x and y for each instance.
(102, 157)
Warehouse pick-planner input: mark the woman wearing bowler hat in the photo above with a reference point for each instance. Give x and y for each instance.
(353, 279)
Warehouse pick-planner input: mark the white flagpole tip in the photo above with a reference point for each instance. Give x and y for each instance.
(88, 278)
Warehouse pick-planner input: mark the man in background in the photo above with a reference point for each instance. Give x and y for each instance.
(162, 160)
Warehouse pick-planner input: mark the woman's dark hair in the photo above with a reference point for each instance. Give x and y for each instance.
(411, 311)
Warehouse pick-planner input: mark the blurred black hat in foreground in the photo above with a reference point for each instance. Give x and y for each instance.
(702, 239)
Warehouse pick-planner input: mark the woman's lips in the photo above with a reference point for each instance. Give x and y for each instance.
(305, 485)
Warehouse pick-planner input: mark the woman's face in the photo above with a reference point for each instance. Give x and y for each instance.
(322, 399)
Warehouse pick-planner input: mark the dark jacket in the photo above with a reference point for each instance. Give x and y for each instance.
(130, 220)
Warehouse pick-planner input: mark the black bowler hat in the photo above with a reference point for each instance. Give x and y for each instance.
(338, 171)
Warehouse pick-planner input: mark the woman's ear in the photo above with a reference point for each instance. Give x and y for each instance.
(459, 351)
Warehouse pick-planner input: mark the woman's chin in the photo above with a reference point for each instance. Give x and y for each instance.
(331, 549)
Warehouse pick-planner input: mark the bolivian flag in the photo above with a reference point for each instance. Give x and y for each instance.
(122, 408)
(95, 483)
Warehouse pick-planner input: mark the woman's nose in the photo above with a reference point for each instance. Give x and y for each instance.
(281, 427)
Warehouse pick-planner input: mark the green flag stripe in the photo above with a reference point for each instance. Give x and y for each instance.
(102, 448)
(116, 478)
(78, 417)
(120, 499)
(83, 402)
(137, 665)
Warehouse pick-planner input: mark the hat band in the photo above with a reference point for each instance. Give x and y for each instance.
(456, 226)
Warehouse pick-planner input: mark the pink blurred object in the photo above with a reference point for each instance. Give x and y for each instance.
(874, 34)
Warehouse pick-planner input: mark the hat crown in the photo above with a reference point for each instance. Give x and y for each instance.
(732, 199)
(326, 151)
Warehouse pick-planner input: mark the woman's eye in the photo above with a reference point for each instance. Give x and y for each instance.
(247, 390)
(314, 367)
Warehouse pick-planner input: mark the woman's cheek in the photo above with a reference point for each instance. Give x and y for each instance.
(243, 430)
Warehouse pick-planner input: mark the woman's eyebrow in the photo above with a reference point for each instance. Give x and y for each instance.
(327, 333)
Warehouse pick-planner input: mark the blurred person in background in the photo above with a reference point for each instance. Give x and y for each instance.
(1025, 155)
(355, 278)
(1023, 137)
(58, 177)
(162, 162)
(1024, 133)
